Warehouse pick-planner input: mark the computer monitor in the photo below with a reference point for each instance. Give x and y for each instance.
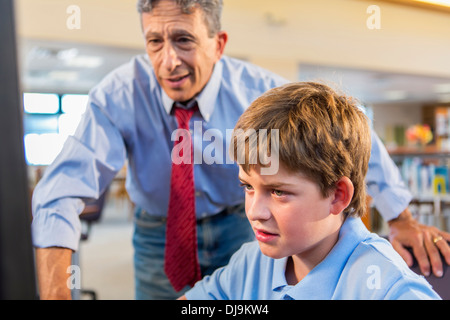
(17, 276)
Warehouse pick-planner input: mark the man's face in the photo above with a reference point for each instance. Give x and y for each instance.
(180, 49)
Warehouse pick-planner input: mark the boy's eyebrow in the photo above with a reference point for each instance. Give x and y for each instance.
(270, 185)
(242, 180)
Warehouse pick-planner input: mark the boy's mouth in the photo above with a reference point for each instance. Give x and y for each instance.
(264, 236)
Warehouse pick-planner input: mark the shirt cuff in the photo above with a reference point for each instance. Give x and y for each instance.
(391, 202)
(52, 229)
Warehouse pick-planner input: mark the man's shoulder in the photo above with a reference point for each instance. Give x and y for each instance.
(137, 71)
(249, 74)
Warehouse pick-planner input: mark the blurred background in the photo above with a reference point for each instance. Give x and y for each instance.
(393, 56)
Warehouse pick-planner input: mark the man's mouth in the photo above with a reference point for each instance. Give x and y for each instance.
(179, 78)
(175, 82)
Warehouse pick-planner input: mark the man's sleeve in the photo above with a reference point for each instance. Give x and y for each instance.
(384, 182)
(86, 165)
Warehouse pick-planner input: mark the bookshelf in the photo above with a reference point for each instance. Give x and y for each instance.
(426, 172)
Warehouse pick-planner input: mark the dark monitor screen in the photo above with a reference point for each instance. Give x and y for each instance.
(17, 277)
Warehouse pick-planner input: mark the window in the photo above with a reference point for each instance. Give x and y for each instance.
(48, 120)
(41, 103)
(74, 103)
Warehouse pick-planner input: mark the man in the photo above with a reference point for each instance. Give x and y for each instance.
(138, 113)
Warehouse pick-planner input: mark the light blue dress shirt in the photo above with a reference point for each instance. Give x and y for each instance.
(128, 118)
(361, 266)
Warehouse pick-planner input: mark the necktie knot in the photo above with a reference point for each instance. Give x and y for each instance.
(184, 115)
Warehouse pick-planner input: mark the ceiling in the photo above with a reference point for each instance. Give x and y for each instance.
(75, 68)
(63, 67)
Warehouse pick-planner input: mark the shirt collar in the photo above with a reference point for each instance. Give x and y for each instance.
(206, 98)
(321, 281)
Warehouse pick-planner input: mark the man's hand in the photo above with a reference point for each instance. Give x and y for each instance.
(52, 264)
(426, 242)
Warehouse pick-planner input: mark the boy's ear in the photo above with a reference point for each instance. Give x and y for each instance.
(343, 195)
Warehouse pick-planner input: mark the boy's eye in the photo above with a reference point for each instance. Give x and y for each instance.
(246, 186)
(278, 193)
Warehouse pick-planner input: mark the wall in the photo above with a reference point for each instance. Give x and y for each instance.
(329, 32)
(388, 116)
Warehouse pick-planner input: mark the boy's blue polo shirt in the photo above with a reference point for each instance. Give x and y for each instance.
(360, 266)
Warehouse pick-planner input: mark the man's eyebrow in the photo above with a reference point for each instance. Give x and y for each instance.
(184, 32)
(149, 34)
(173, 33)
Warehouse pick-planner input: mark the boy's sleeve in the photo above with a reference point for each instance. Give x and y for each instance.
(228, 282)
(384, 182)
(210, 287)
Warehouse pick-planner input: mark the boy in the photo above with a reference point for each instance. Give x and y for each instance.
(311, 243)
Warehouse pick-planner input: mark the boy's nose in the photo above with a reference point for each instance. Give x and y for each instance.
(256, 209)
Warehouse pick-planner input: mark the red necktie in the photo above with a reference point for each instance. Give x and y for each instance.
(181, 259)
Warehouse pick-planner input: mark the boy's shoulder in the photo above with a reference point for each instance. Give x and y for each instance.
(249, 251)
(382, 273)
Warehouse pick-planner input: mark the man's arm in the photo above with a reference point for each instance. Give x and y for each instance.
(84, 168)
(52, 264)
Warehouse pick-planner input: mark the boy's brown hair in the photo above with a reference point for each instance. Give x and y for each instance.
(322, 134)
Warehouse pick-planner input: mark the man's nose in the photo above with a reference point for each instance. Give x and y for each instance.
(171, 60)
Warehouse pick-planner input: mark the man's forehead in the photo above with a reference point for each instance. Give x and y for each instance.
(173, 18)
(169, 8)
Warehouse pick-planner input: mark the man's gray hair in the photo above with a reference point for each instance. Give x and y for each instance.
(212, 10)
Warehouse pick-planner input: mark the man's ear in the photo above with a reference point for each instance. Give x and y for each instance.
(343, 195)
(222, 38)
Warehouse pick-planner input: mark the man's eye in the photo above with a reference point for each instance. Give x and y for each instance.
(154, 42)
(185, 43)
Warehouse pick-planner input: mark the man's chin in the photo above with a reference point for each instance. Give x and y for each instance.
(178, 95)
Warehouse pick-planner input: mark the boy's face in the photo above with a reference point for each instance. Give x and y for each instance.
(180, 49)
(289, 215)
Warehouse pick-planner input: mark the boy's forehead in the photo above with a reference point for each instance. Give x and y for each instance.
(282, 176)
